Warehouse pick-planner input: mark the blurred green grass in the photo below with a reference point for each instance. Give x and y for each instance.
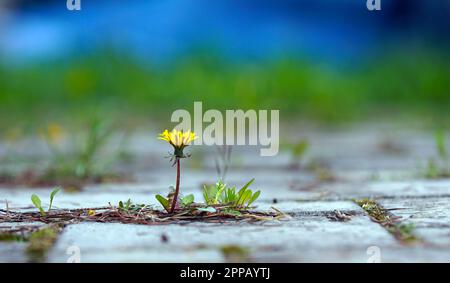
(410, 84)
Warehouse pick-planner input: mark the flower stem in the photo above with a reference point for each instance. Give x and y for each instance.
(177, 188)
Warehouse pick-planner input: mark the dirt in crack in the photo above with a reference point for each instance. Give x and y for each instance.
(404, 232)
(39, 239)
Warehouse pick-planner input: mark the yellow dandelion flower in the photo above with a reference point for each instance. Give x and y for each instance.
(178, 139)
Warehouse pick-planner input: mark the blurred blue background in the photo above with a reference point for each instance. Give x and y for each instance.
(324, 30)
(324, 60)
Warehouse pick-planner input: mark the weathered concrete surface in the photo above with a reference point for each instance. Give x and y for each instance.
(431, 218)
(274, 241)
(13, 252)
(383, 164)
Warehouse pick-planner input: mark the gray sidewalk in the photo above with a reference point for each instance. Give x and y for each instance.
(324, 224)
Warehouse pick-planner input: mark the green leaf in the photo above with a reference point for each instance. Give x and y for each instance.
(232, 196)
(246, 196)
(209, 194)
(220, 187)
(52, 196)
(229, 195)
(37, 203)
(248, 184)
(205, 194)
(128, 204)
(54, 192)
(240, 196)
(243, 193)
(187, 200)
(207, 209)
(163, 201)
(253, 198)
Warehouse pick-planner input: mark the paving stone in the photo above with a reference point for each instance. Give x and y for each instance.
(387, 189)
(13, 252)
(431, 218)
(202, 241)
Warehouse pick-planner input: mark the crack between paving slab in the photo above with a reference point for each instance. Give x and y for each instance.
(413, 196)
(324, 213)
(401, 231)
(334, 198)
(39, 239)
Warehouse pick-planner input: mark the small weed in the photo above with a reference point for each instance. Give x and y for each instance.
(129, 206)
(187, 200)
(184, 201)
(297, 152)
(228, 199)
(220, 201)
(321, 170)
(8, 237)
(324, 174)
(40, 241)
(221, 194)
(76, 157)
(435, 170)
(375, 211)
(438, 168)
(38, 204)
(82, 164)
(164, 202)
(299, 149)
(404, 232)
